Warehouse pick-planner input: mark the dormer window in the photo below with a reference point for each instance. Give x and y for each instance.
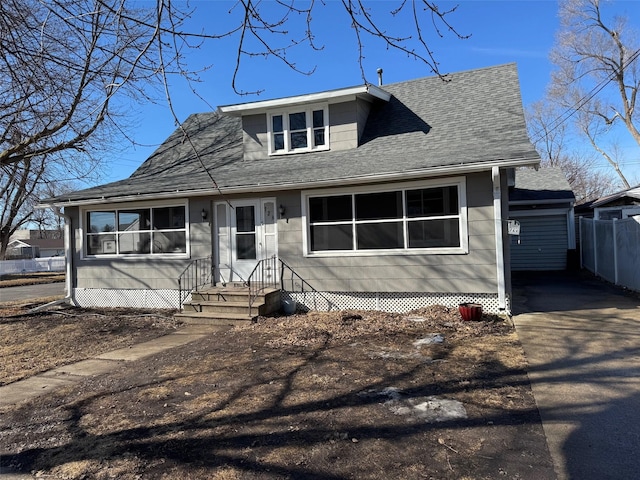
(299, 130)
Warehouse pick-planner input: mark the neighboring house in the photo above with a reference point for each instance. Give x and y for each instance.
(542, 202)
(623, 204)
(35, 248)
(21, 249)
(35, 244)
(384, 197)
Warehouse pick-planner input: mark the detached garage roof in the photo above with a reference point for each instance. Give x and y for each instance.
(541, 186)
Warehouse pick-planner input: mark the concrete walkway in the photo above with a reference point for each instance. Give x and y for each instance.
(581, 338)
(45, 382)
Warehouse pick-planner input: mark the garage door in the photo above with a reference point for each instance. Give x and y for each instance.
(543, 243)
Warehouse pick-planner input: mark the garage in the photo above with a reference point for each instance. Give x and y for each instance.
(542, 203)
(542, 244)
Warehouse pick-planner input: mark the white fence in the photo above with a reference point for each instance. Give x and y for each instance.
(611, 250)
(48, 264)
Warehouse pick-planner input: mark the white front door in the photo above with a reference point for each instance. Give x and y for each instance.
(246, 234)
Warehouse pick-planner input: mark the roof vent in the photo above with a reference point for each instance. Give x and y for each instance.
(379, 77)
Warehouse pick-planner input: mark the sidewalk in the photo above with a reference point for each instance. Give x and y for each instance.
(74, 373)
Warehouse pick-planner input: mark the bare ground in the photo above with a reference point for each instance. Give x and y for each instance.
(342, 395)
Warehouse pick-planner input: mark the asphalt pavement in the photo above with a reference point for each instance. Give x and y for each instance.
(28, 292)
(581, 338)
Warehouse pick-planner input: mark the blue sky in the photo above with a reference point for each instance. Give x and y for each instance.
(502, 31)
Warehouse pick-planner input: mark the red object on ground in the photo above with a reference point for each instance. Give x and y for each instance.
(470, 311)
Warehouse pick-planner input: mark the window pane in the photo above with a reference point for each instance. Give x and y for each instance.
(168, 218)
(432, 201)
(380, 235)
(246, 246)
(318, 137)
(169, 242)
(245, 219)
(278, 141)
(101, 244)
(379, 206)
(276, 122)
(318, 118)
(101, 222)
(330, 209)
(134, 219)
(298, 121)
(331, 237)
(299, 140)
(134, 242)
(434, 233)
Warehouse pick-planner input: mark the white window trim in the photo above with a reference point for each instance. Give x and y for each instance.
(308, 110)
(460, 182)
(128, 206)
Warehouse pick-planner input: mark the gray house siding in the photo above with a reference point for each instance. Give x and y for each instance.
(254, 137)
(450, 273)
(474, 272)
(344, 129)
(138, 281)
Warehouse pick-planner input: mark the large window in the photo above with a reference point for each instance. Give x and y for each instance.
(411, 218)
(136, 231)
(299, 130)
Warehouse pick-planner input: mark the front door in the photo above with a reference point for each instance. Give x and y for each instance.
(245, 235)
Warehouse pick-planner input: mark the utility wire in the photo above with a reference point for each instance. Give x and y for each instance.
(570, 111)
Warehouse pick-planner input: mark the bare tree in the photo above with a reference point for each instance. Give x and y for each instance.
(17, 185)
(598, 74)
(63, 64)
(587, 181)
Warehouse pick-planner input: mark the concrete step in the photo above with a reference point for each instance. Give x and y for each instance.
(224, 307)
(208, 318)
(227, 305)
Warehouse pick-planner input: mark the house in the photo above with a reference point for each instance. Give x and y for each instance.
(35, 248)
(619, 205)
(542, 202)
(386, 197)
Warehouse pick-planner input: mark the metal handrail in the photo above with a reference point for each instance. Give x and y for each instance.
(301, 282)
(263, 276)
(197, 274)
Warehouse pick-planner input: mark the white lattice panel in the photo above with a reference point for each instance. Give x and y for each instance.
(109, 298)
(390, 301)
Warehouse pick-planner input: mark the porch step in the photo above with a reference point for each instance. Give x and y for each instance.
(220, 319)
(228, 305)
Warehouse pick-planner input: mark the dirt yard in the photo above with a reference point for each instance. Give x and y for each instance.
(343, 395)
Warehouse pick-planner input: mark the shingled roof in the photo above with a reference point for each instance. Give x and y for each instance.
(472, 121)
(546, 184)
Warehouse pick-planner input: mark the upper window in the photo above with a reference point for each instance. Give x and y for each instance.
(406, 219)
(299, 130)
(136, 231)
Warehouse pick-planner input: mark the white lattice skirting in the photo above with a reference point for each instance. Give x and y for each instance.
(106, 298)
(384, 301)
(397, 302)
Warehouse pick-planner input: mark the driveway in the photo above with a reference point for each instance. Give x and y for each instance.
(582, 340)
(27, 292)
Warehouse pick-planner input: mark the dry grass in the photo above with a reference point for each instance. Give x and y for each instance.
(35, 343)
(320, 396)
(35, 278)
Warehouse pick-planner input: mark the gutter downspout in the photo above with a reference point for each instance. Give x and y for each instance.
(497, 215)
(68, 256)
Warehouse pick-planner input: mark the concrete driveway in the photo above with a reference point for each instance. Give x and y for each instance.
(582, 340)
